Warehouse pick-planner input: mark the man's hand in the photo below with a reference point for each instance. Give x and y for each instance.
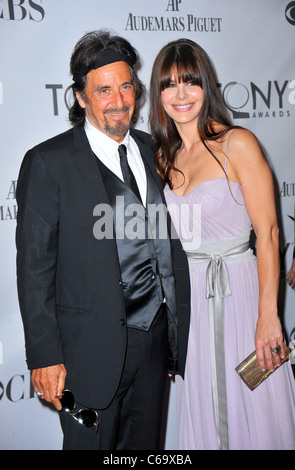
(50, 382)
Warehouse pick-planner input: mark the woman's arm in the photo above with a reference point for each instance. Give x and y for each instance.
(257, 185)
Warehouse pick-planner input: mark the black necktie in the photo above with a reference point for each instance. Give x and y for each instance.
(128, 176)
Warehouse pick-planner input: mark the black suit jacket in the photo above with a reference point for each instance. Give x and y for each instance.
(70, 296)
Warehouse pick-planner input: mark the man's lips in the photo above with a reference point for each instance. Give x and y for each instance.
(117, 113)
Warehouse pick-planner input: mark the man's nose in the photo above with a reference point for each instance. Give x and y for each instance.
(117, 99)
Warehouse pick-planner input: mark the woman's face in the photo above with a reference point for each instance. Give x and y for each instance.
(182, 101)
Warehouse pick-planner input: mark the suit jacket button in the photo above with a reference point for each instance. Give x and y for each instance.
(123, 322)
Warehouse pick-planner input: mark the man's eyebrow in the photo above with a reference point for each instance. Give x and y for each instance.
(102, 87)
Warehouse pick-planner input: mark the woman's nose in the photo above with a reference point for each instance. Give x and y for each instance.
(181, 91)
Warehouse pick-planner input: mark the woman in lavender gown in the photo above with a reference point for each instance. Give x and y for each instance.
(215, 173)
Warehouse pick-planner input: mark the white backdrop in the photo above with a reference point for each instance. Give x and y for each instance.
(252, 44)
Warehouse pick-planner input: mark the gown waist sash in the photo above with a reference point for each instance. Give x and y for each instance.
(218, 287)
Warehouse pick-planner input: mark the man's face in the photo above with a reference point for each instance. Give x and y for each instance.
(109, 99)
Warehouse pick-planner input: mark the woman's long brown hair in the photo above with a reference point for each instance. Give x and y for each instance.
(192, 64)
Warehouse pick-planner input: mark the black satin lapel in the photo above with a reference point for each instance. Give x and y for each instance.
(89, 172)
(148, 158)
(88, 168)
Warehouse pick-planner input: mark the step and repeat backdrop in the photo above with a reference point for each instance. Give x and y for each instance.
(252, 45)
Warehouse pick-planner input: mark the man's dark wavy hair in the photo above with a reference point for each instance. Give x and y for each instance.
(85, 53)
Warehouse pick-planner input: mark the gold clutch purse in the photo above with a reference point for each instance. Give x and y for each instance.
(250, 372)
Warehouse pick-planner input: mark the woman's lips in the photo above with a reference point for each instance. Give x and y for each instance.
(183, 107)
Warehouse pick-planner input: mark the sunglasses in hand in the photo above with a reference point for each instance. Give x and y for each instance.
(85, 416)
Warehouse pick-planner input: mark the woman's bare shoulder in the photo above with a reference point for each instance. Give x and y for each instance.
(243, 144)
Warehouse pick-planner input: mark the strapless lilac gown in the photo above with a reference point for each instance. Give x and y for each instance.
(263, 419)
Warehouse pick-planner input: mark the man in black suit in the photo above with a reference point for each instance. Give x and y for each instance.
(105, 315)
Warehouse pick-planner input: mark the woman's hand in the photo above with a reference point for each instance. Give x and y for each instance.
(269, 336)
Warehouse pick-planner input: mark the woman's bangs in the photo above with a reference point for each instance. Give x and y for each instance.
(183, 68)
(188, 73)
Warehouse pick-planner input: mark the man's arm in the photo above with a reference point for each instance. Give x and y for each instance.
(37, 245)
